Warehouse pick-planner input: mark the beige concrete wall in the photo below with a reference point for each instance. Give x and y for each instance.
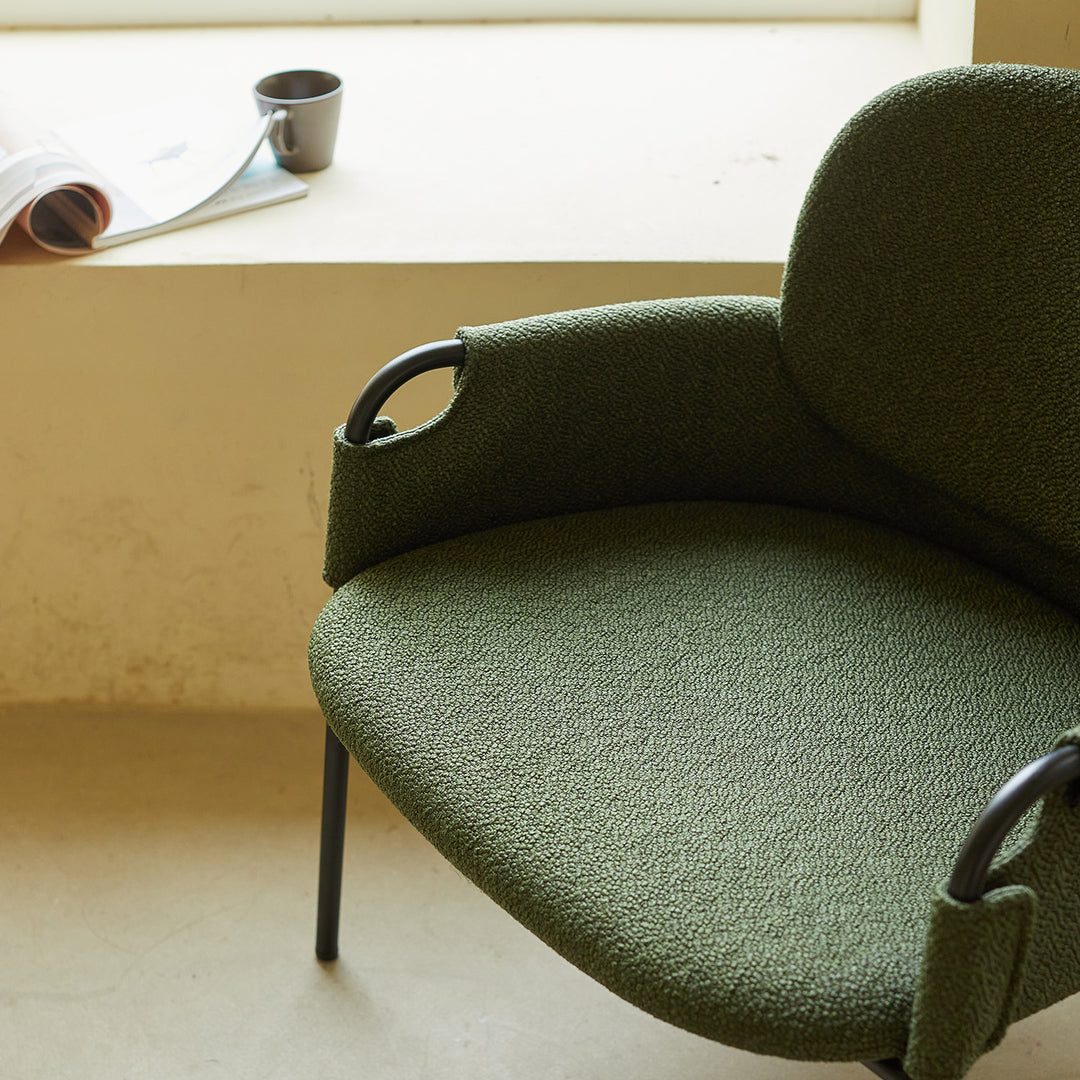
(165, 438)
(1043, 32)
(1003, 31)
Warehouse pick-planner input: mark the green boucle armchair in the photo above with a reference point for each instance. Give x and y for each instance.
(698, 633)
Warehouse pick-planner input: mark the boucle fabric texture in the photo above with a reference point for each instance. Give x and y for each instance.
(697, 632)
(931, 304)
(633, 403)
(973, 968)
(718, 755)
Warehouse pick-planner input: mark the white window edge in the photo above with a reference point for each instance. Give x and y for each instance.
(45, 13)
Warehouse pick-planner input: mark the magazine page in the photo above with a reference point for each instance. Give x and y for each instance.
(53, 198)
(112, 179)
(262, 183)
(166, 163)
(67, 206)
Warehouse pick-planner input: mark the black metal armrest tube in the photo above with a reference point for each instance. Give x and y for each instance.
(436, 354)
(968, 881)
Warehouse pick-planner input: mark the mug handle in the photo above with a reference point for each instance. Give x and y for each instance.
(277, 133)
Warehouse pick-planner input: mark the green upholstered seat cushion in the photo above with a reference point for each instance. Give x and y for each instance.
(718, 755)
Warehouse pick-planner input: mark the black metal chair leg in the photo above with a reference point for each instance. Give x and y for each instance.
(332, 846)
(888, 1070)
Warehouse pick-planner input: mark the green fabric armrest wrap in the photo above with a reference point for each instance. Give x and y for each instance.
(625, 404)
(1045, 859)
(996, 961)
(971, 972)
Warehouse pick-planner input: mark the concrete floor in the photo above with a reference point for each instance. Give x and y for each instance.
(157, 877)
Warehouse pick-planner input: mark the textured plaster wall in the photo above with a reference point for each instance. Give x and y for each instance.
(1043, 32)
(165, 437)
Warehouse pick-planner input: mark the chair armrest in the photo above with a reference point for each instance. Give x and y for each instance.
(1010, 950)
(1053, 770)
(626, 404)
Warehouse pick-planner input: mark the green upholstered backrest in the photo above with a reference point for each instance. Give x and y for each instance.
(931, 305)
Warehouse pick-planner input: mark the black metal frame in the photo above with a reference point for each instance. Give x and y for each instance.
(438, 354)
(331, 846)
(1005, 809)
(888, 1070)
(968, 880)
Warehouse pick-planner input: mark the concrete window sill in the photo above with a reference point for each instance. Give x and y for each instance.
(493, 143)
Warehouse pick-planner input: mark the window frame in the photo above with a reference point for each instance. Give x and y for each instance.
(71, 13)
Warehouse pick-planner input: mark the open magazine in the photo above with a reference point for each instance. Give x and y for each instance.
(114, 179)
